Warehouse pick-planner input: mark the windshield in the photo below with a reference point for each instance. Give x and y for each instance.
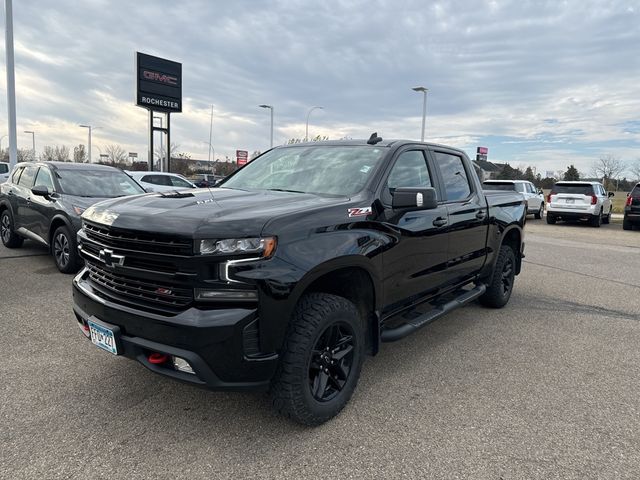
(323, 170)
(97, 183)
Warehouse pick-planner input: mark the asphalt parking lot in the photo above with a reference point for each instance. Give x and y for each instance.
(548, 387)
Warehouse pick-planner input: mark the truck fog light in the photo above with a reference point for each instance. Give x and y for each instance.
(182, 365)
(226, 295)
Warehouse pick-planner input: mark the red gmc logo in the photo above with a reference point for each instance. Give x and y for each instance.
(159, 77)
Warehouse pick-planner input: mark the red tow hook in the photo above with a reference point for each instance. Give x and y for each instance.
(158, 358)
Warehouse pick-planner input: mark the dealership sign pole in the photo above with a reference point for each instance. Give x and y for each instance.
(158, 89)
(11, 83)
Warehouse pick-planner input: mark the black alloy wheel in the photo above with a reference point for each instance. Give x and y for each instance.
(10, 239)
(331, 361)
(5, 227)
(508, 274)
(500, 287)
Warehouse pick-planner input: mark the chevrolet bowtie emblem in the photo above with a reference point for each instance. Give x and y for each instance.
(110, 259)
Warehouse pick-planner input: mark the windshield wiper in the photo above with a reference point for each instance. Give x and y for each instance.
(284, 190)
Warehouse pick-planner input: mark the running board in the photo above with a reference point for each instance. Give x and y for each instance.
(414, 324)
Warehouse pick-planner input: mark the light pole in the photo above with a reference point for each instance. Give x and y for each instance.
(11, 82)
(306, 130)
(270, 107)
(424, 107)
(89, 144)
(33, 142)
(162, 155)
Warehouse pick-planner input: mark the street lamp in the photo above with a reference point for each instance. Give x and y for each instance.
(424, 106)
(33, 141)
(89, 145)
(306, 130)
(270, 107)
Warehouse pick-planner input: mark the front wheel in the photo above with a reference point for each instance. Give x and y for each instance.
(64, 250)
(321, 359)
(10, 238)
(607, 218)
(540, 211)
(501, 285)
(596, 220)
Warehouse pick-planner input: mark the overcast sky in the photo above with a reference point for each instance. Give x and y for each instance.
(540, 83)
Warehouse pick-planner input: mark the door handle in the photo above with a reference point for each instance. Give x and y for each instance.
(481, 214)
(440, 222)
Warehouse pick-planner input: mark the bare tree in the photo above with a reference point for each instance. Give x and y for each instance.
(635, 169)
(25, 155)
(79, 154)
(116, 155)
(608, 166)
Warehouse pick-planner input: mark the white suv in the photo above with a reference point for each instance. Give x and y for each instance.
(160, 181)
(533, 196)
(4, 172)
(579, 201)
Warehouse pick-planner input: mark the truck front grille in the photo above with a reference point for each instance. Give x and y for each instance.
(137, 241)
(147, 295)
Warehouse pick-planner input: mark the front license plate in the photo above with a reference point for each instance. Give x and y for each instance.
(103, 337)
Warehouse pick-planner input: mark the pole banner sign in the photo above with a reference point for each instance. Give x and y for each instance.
(158, 83)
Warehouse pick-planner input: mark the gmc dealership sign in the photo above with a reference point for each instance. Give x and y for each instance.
(158, 83)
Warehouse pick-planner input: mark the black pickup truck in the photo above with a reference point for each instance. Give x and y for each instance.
(293, 269)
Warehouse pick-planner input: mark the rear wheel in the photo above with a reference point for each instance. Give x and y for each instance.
(10, 238)
(321, 359)
(551, 219)
(540, 211)
(596, 220)
(626, 224)
(501, 285)
(64, 250)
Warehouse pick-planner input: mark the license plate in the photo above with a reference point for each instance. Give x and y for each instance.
(570, 200)
(103, 337)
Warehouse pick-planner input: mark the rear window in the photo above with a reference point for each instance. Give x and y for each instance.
(636, 191)
(577, 188)
(499, 186)
(4, 168)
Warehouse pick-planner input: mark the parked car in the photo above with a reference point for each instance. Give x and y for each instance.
(286, 281)
(587, 201)
(160, 181)
(532, 195)
(632, 209)
(4, 172)
(205, 180)
(43, 201)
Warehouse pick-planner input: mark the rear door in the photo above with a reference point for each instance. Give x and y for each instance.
(467, 213)
(24, 217)
(572, 196)
(416, 265)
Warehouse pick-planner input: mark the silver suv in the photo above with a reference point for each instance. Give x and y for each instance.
(532, 195)
(587, 201)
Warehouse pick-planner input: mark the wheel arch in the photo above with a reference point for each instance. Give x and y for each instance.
(56, 222)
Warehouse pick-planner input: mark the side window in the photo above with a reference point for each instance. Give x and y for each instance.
(4, 168)
(410, 170)
(520, 187)
(16, 175)
(44, 178)
(26, 179)
(456, 181)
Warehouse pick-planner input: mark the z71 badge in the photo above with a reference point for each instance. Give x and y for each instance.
(359, 212)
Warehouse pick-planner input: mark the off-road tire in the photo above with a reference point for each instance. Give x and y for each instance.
(10, 238)
(501, 285)
(291, 390)
(65, 250)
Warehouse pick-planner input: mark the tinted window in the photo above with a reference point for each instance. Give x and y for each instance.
(43, 178)
(456, 182)
(157, 180)
(520, 188)
(499, 186)
(636, 190)
(4, 168)
(26, 179)
(97, 183)
(576, 188)
(179, 182)
(410, 170)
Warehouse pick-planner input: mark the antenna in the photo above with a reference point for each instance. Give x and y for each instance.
(374, 138)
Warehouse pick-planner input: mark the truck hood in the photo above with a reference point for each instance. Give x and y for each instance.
(203, 213)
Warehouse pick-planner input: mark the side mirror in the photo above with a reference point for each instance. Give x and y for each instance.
(611, 194)
(40, 191)
(412, 197)
(540, 191)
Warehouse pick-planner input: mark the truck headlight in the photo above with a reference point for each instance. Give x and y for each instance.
(264, 246)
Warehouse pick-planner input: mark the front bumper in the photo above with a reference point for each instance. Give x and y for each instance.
(214, 342)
